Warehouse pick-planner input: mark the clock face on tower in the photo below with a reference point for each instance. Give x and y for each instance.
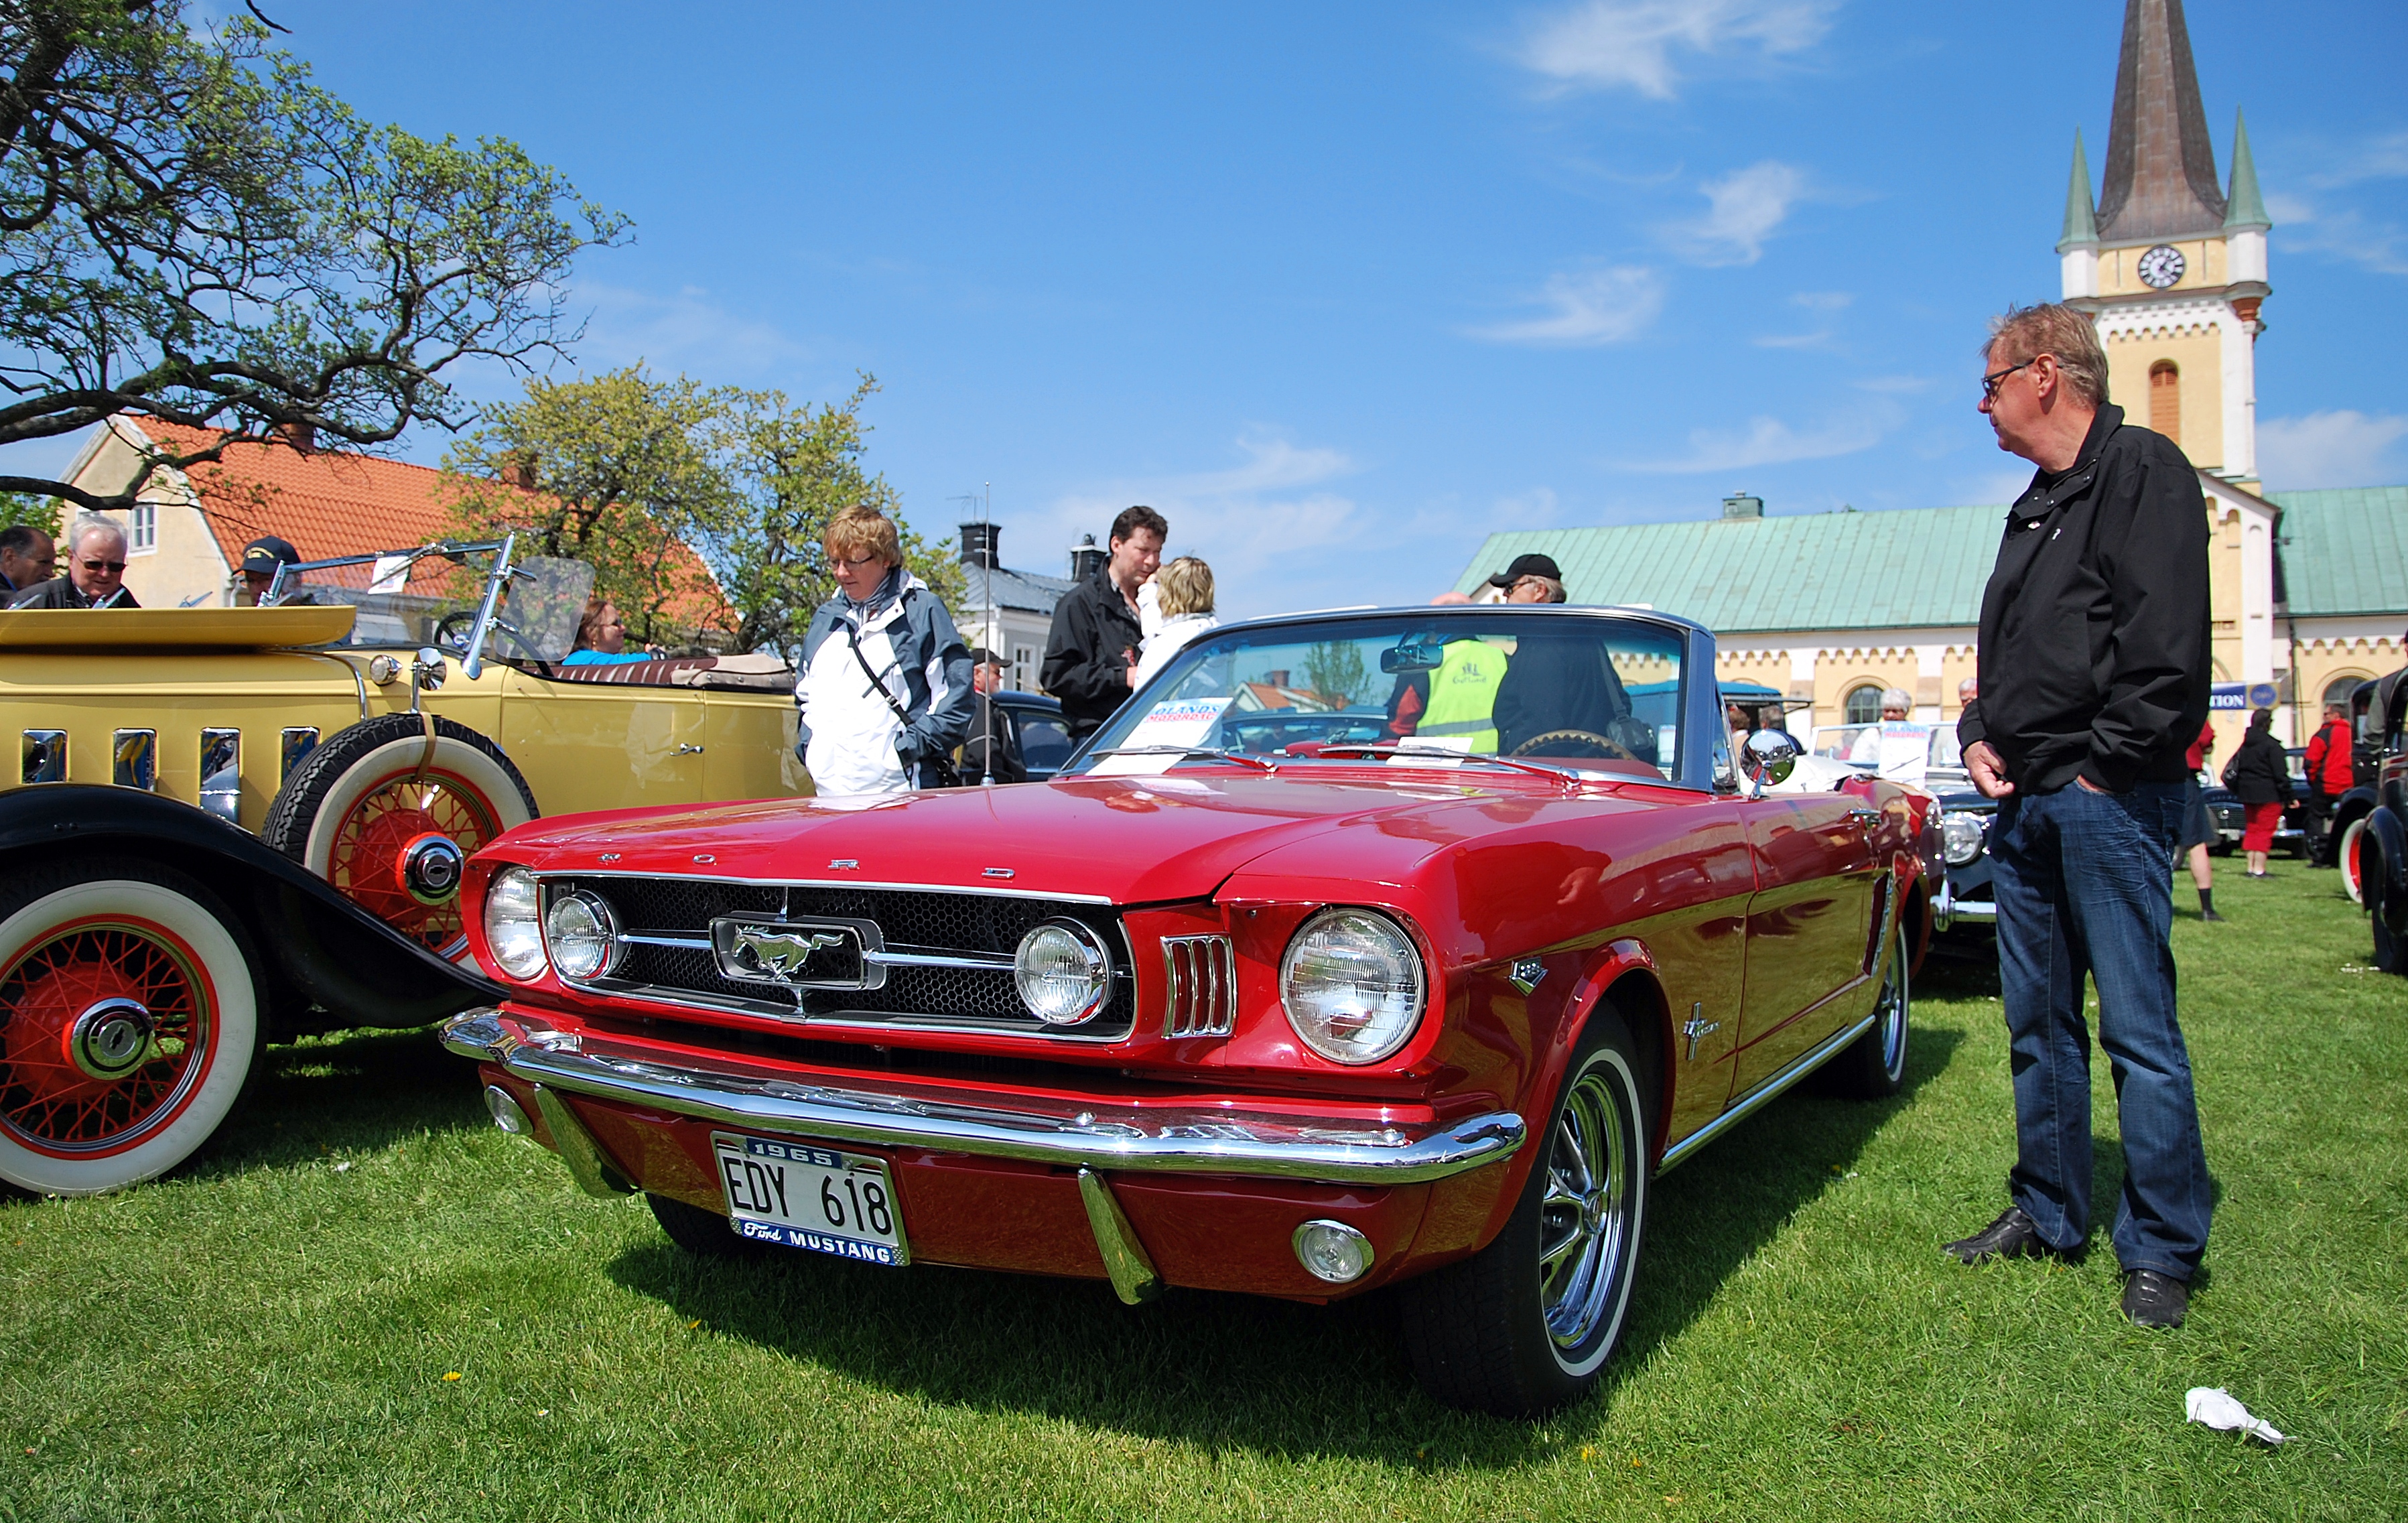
(2162, 266)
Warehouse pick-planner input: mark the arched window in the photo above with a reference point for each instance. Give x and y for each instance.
(1863, 705)
(2338, 690)
(2165, 399)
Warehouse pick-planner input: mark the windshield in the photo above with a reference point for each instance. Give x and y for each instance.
(408, 599)
(546, 599)
(1592, 692)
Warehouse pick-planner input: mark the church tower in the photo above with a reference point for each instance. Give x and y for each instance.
(2172, 266)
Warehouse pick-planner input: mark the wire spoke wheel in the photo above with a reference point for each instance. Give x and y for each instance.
(373, 857)
(107, 1023)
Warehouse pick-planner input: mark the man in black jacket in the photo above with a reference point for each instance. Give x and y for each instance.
(1091, 656)
(2093, 678)
(95, 573)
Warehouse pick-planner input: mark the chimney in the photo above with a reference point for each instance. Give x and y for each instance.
(978, 545)
(302, 436)
(520, 473)
(1741, 505)
(1087, 557)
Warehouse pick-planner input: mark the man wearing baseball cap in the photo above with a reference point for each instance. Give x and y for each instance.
(260, 559)
(1532, 578)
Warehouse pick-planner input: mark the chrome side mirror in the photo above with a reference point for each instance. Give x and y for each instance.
(427, 671)
(1768, 758)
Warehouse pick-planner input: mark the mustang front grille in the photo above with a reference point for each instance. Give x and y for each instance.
(933, 959)
(1201, 973)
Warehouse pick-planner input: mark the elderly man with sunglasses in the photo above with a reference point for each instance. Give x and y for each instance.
(2093, 680)
(95, 573)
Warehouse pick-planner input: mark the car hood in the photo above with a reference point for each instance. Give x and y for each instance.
(1128, 840)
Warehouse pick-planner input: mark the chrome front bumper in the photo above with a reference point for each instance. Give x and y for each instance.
(1197, 1140)
(1948, 909)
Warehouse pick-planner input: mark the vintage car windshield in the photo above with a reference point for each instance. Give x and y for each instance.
(434, 599)
(1595, 693)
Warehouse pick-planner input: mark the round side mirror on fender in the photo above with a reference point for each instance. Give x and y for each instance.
(1768, 758)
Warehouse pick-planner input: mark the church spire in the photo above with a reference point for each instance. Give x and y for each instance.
(2160, 176)
(2079, 230)
(2246, 208)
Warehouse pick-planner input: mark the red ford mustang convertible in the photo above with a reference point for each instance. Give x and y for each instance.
(1427, 999)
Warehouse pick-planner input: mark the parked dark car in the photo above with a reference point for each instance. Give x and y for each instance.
(2380, 847)
(2353, 808)
(2230, 815)
(1037, 725)
(1964, 909)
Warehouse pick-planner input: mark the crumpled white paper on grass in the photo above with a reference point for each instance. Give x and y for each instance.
(2215, 1406)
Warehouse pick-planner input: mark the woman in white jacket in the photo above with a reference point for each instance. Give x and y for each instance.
(1186, 601)
(883, 686)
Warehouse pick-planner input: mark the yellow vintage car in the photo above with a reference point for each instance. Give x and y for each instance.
(362, 744)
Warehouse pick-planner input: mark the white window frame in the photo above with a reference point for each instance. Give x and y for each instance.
(142, 529)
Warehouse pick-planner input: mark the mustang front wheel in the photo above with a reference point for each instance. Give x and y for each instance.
(1874, 1065)
(390, 811)
(1527, 1324)
(128, 1023)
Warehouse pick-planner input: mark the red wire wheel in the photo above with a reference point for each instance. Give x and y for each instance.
(390, 814)
(129, 1018)
(107, 1036)
(384, 844)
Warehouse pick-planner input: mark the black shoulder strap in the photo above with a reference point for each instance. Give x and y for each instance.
(901, 715)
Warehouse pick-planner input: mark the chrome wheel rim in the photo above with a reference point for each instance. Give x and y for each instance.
(1890, 1008)
(1582, 1224)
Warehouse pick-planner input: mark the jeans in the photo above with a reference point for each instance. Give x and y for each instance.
(2081, 884)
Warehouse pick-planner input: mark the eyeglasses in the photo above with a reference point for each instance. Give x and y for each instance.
(856, 564)
(1990, 383)
(104, 566)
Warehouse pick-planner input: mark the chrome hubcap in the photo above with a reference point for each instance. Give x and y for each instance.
(111, 1040)
(1582, 1240)
(1893, 1007)
(431, 867)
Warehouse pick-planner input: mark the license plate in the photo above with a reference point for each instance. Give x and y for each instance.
(801, 1196)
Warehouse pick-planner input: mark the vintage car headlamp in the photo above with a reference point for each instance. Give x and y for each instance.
(1352, 983)
(583, 935)
(1960, 838)
(1065, 973)
(514, 924)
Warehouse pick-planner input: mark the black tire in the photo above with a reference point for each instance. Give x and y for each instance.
(1873, 1066)
(1502, 1332)
(357, 797)
(2385, 914)
(153, 988)
(701, 1233)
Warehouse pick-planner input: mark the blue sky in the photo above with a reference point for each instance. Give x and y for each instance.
(1341, 288)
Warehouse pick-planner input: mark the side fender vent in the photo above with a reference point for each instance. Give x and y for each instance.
(1200, 973)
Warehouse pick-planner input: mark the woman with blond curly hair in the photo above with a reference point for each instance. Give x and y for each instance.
(1186, 603)
(883, 686)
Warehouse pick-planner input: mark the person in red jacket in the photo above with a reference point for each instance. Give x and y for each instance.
(2198, 826)
(2329, 776)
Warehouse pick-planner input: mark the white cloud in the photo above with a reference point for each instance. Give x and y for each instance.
(2343, 448)
(1770, 441)
(2385, 157)
(1631, 44)
(687, 330)
(1745, 208)
(1822, 301)
(1588, 308)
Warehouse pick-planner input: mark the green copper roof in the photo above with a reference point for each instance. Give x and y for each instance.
(2346, 551)
(1909, 568)
(2244, 208)
(2079, 227)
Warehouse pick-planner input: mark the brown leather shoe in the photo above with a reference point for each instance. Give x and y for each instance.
(2013, 1235)
(2152, 1299)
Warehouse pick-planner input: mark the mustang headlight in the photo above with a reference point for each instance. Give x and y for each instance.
(1351, 983)
(514, 923)
(1960, 838)
(582, 934)
(1065, 973)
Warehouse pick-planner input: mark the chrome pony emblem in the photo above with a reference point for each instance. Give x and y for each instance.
(809, 955)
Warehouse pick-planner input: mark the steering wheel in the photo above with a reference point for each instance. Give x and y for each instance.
(451, 634)
(1603, 746)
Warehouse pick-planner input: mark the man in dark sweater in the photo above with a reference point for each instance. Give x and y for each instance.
(2094, 677)
(1091, 656)
(95, 573)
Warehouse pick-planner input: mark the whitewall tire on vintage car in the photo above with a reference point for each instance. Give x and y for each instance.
(388, 817)
(1527, 1324)
(1873, 1066)
(129, 1023)
(2346, 858)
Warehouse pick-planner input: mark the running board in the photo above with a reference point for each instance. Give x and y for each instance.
(1771, 1089)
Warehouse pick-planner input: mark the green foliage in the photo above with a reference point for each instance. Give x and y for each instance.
(25, 508)
(1334, 670)
(619, 469)
(265, 1333)
(190, 229)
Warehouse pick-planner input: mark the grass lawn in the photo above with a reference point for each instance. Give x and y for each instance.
(274, 1331)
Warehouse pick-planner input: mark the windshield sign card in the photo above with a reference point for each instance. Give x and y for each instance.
(1178, 723)
(799, 1195)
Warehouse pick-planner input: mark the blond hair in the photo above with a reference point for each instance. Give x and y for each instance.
(1186, 587)
(862, 529)
(2024, 334)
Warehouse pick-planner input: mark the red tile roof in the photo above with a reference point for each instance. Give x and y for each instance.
(330, 503)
